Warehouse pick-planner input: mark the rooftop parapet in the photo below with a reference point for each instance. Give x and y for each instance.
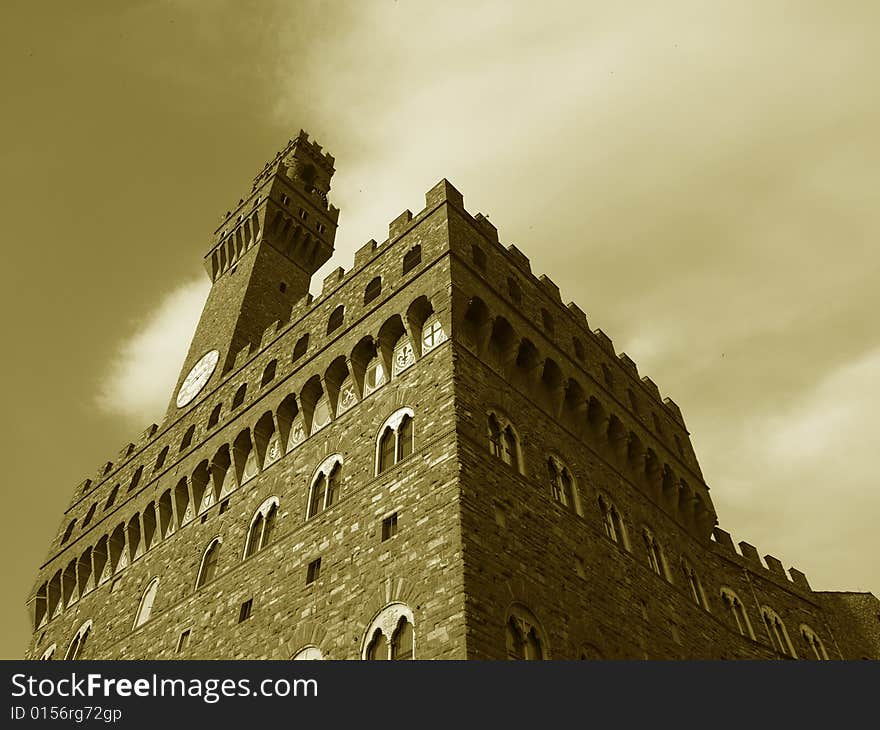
(774, 565)
(604, 341)
(399, 224)
(241, 357)
(443, 191)
(578, 314)
(519, 258)
(550, 287)
(331, 281)
(629, 364)
(301, 306)
(365, 253)
(651, 386)
(799, 579)
(269, 333)
(487, 228)
(673, 408)
(749, 552)
(724, 539)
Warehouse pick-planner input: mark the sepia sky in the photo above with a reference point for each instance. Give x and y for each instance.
(703, 179)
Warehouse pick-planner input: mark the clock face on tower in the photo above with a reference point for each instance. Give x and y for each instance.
(197, 378)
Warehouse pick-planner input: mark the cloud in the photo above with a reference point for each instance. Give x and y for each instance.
(138, 381)
(810, 468)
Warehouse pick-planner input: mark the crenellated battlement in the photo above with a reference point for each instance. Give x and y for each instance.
(748, 556)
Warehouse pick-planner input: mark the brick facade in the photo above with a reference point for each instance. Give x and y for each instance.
(478, 541)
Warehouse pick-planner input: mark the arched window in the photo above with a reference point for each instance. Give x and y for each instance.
(395, 441)
(391, 634)
(777, 631)
(308, 652)
(335, 320)
(432, 334)
(654, 552)
(78, 643)
(268, 373)
(145, 607)
(612, 522)
(160, 459)
(693, 581)
(208, 566)
(111, 498)
(402, 640)
(187, 439)
(214, 418)
(326, 485)
(48, 654)
(238, 399)
(814, 642)
(89, 514)
(412, 258)
(561, 483)
(68, 532)
(262, 526)
(524, 636)
(373, 290)
(136, 478)
(503, 441)
(299, 349)
(737, 612)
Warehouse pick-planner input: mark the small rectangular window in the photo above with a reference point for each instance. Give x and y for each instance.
(314, 571)
(246, 609)
(579, 567)
(224, 505)
(389, 527)
(285, 200)
(183, 641)
(303, 214)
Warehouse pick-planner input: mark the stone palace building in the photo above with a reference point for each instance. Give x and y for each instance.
(436, 458)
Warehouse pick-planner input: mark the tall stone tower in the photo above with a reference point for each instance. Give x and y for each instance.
(437, 457)
(262, 259)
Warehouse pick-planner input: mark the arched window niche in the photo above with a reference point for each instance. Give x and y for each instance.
(562, 484)
(524, 636)
(326, 485)
(310, 652)
(391, 634)
(504, 442)
(262, 526)
(395, 440)
(145, 607)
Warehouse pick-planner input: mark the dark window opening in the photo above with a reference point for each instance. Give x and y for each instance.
(313, 571)
(389, 527)
(412, 258)
(246, 610)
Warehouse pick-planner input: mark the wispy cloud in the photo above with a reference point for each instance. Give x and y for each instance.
(138, 381)
(811, 469)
